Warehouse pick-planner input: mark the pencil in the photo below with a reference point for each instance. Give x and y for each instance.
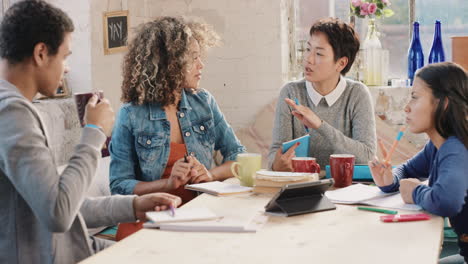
(297, 102)
(377, 210)
(394, 145)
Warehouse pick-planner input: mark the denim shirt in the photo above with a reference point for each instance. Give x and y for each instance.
(140, 143)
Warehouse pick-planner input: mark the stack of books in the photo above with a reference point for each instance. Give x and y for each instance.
(273, 181)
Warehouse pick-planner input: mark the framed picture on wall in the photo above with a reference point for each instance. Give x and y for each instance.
(115, 31)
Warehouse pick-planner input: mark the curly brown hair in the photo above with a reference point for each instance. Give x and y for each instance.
(158, 58)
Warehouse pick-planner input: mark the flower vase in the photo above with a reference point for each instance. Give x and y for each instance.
(371, 56)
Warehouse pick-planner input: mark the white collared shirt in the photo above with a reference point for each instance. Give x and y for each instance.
(331, 98)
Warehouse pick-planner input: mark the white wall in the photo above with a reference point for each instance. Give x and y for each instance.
(244, 74)
(80, 74)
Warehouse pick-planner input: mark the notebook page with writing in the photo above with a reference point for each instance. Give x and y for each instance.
(182, 215)
(218, 188)
(356, 193)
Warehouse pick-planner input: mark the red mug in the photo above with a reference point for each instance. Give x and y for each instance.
(342, 169)
(81, 100)
(305, 164)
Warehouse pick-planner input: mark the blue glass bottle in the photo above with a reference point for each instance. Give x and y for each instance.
(437, 50)
(415, 53)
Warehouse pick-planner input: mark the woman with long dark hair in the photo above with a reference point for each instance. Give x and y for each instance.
(439, 108)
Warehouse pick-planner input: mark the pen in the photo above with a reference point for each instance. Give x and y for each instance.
(171, 207)
(395, 143)
(404, 217)
(377, 210)
(297, 102)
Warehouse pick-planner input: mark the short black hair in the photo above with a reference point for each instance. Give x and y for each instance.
(342, 38)
(28, 23)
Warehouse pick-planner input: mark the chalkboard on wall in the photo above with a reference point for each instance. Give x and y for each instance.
(115, 31)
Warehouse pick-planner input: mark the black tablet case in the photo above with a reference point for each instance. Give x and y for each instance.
(301, 198)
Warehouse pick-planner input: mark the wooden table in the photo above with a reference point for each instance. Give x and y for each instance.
(344, 235)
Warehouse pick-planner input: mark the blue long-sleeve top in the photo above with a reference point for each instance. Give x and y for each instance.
(447, 170)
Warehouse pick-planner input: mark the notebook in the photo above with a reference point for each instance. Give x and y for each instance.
(302, 150)
(370, 195)
(218, 188)
(284, 175)
(182, 215)
(222, 224)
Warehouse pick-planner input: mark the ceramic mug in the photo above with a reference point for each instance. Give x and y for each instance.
(305, 164)
(342, 169)
(245, 167)
(81, 100)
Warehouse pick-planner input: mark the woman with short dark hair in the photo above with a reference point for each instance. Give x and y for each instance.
(439, 108)
(337, 111)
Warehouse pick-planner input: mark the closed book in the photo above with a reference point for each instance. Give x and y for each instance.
(270, 183)
(265, 189)
(284, 175)
(218, 188)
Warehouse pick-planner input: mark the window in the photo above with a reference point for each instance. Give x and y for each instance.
(454, 19)
(395, 31)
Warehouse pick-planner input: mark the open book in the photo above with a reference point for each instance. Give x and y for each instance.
(218, 188)
(370, 195)
(302, 150)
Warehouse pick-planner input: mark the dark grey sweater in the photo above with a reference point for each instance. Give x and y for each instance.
(348, 125)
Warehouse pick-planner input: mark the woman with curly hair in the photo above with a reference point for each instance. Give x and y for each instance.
(165, 115)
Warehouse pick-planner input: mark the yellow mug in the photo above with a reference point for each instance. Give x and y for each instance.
(248, 164)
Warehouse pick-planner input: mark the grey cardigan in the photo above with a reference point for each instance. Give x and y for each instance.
(348, 125)
(43, 215)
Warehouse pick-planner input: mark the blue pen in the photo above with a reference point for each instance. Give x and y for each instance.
(297, 102)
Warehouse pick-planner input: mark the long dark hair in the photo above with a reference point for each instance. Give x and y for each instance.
(449, 82)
